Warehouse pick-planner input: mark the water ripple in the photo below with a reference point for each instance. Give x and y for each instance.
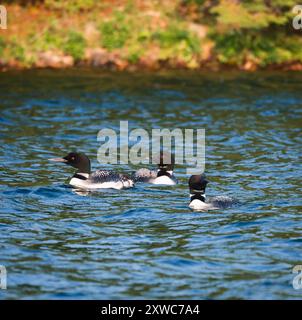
(145, 243)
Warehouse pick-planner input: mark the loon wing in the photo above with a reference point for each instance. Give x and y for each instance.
(223, 201)
(144, 175)
(102, 176)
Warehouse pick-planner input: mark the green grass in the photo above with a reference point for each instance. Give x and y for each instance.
(70, 42)
(74, 45)
(51, 39)
(12, 50)
(175, 35)
(17, 51)
(115, 32)
(72, 5)
(273, 48)
(2, 46)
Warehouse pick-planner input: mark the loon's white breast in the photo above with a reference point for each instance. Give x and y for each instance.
(150, 176)
(101, 179)
(164, 180)
(197, 204)
(219, 202)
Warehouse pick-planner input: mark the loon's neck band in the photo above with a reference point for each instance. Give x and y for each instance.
(198, 196)
(162, 172)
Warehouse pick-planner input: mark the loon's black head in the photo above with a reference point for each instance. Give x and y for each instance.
(197, 185)
(165, 164)
(76, 160)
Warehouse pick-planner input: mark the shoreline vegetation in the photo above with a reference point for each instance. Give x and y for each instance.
(135, 34)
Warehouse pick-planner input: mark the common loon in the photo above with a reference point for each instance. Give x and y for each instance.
(197, 185)
(99, 179)
(163, 175)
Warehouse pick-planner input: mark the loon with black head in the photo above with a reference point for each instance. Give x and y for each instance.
(198, 199)
(162, 176)
(100, 179)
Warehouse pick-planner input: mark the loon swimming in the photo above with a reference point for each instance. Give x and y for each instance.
(197, 185)
(99, 179)
(163, 175)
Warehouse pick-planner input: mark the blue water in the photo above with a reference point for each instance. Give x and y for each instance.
(145, 242)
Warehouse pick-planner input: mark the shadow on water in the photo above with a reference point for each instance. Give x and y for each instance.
(145, 242)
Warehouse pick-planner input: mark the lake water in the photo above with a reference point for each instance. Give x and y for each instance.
(145, 242)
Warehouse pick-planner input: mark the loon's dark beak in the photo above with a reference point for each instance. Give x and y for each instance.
(58, 160)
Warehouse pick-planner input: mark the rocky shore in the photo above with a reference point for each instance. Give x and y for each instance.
(101, 58)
